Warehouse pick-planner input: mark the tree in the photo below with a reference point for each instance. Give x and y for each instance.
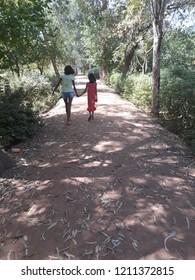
(158, 13)
(63, 34)
(133, 29)
(98, 36)
(21, 22)
(178, 48)
(161, 8)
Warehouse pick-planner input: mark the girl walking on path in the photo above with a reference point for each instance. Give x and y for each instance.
(68, 89)
(91, 89)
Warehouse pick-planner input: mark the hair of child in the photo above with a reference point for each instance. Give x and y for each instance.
(68, 70)
(91, 78)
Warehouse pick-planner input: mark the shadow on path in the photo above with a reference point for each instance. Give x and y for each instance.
(118, 187)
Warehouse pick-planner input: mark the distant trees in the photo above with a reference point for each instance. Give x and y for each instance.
(123, 35)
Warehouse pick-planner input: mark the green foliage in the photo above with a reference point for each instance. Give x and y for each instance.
(34, 91)
(98, 36)
(137, 89)
(177, 100)
(20, 35)
(178, 48)
(115, 81)
(134, 32)
(28, 95)
(110, 34)
(63, 32)
(17, 121)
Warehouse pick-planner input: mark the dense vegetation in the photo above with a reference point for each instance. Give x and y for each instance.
(144, 49)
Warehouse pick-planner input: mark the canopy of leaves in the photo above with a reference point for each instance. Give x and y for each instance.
(21, 22)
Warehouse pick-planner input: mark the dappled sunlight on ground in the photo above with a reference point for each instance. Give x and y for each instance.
(108, 146)
(118, 187)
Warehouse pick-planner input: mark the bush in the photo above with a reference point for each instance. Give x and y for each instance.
(115, 81)
(177, 94)
(137, 89)
(20, 105)
(34, 91)
(177, 100)
(17, 121)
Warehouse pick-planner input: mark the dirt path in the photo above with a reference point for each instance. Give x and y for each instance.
(118, 187)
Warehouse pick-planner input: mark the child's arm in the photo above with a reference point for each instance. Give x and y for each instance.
(83, 91)
(73, 83)
(96, 97)
(59, 81)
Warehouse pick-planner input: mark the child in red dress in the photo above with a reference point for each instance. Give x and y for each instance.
(91, 89)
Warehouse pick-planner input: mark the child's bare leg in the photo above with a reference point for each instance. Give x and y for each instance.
(90, 116)
(68, 109)
(66, 105)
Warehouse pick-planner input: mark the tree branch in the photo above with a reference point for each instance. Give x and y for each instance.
(180, 5)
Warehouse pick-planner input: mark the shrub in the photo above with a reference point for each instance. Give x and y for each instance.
(26, 97)
(17, 121)
(177, 100)
(34, 91)
(116, 82)
(177, 95)
(137, 89)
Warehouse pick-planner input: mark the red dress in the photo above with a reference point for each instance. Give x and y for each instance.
(91, 93)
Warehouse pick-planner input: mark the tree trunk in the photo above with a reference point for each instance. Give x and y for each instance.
(158, 9)
(53, 58)
(156, 73)
(17, 67)
(103, 71)
(40, 66)
(145, 65)
(55, 67)
(158, 14)
(128, 58)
